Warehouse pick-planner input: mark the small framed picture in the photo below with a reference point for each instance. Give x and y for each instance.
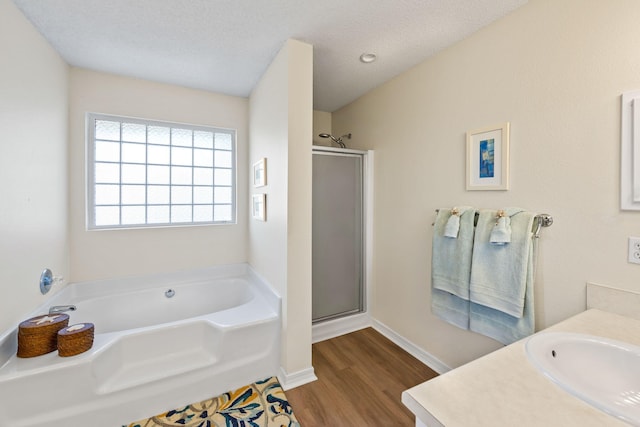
(488, 158)
(259, 207)
(260, 173)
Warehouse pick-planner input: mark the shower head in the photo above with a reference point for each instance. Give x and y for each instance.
(336, 140)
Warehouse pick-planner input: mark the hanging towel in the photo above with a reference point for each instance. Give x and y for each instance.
(501, 232)
(504, 327)
(452, 227)
(499, 272)
(451, 258)
(451, 269)
(450, 308)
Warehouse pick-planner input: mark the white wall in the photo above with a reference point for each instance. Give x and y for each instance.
(280, 248)
(553, 69)
(44, 110)
(118, 253)
(33, 164)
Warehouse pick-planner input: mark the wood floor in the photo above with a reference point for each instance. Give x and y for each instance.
(360, 379)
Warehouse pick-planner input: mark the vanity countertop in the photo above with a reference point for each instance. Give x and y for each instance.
(504, 389)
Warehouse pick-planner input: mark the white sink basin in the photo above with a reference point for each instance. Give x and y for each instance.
(602, 372)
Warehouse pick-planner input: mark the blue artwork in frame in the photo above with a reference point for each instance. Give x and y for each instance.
(487, 158)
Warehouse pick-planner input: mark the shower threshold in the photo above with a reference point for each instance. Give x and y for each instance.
(335, 326)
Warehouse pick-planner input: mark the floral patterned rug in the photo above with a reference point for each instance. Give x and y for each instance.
(261, 404)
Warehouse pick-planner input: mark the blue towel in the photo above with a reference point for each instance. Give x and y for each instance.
(451, 258)
(450, 308)
(451, 269)
(503, 327)
(499, 273)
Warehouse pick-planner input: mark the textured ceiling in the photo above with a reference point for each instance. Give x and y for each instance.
(225, 45)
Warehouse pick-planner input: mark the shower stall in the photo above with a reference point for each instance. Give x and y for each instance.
(339, 252)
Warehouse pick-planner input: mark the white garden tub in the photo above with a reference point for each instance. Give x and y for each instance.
(219, 331)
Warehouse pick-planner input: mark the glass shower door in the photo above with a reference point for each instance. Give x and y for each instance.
(337, 270)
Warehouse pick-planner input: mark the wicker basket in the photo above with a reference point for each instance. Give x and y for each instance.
(39, 335)
(75, 339)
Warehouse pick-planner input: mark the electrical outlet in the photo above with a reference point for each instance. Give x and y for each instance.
(634, 250)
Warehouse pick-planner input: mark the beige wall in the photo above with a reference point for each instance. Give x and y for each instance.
(298, 351)
(321, 124)
(280, 248)
(118, 253)
(33, 164)
(553, 69)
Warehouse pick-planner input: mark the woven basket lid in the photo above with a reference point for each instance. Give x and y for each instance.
(45, 321)
(78, 328)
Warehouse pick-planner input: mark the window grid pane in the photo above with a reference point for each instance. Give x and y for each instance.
(146, 173)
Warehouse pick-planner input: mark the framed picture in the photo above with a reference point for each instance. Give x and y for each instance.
(260, 173)
(630, 152)
(488, 158)
(259, 207)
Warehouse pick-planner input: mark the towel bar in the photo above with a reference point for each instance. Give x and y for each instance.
(540, 220)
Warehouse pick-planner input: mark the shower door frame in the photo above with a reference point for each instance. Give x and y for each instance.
(356, 319)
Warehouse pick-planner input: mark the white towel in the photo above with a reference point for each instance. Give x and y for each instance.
(501, 232)
(499, 273)
(452, 227)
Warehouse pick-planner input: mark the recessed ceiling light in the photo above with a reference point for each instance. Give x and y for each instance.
(368, 58)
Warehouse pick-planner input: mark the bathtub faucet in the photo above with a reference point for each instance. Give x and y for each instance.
(61, 308)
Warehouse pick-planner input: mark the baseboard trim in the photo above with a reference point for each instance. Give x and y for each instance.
(335, 328)
(423, 356)
(296, 379)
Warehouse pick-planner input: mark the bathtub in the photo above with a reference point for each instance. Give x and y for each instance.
(218, 331)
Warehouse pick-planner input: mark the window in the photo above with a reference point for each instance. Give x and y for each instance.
(144, 173)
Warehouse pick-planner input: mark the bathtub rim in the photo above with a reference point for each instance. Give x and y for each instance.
(107, 286)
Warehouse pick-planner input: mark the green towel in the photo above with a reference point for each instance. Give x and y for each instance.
(451, 258)
(499, 272)
(502, 279)
(451, 269)
(503, 327)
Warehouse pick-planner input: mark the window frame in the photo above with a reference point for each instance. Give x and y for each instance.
(90, 167)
